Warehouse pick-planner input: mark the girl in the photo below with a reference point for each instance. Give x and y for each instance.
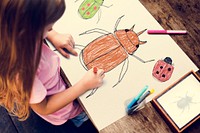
(30, 71)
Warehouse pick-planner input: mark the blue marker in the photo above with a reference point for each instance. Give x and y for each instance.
(137, 97)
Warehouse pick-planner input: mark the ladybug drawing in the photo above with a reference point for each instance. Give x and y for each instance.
(89, 8)
(163, 69)
(110, 50)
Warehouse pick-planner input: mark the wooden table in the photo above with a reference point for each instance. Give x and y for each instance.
(171, 15)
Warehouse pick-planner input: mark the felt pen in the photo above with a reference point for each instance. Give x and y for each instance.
(67, 51)
(95, 69)
(166, 31)
(137, 97)
(145, 95)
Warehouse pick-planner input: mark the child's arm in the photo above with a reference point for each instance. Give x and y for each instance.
(61, 41)
(57, 101)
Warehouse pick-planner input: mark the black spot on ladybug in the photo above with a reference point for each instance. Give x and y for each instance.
(157, 72)
(161, 67)
(169, 69)
(126, 30)
(163, 75)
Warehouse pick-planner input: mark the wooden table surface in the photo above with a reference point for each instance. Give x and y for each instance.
(171, 15)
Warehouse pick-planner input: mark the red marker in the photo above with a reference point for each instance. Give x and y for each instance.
(95, 69)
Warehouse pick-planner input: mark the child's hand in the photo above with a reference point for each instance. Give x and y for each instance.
(64, 43)
(93, 80)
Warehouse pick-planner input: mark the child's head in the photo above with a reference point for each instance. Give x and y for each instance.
(22, 26)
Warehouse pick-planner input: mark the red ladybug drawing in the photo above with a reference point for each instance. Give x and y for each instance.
(110, 50)
(163, 69)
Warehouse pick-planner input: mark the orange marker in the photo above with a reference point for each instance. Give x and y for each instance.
(95, 69)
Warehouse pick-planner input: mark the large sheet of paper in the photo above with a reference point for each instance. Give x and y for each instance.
(107, 105)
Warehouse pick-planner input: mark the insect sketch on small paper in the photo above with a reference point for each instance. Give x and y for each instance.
(184, 102)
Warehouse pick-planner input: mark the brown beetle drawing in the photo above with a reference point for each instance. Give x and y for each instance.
(110, 50)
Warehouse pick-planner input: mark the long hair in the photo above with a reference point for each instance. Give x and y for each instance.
(22, 24)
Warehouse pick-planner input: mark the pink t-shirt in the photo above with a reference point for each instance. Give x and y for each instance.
(48, 82)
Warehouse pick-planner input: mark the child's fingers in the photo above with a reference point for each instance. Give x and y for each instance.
(71, 49)
(64, 52)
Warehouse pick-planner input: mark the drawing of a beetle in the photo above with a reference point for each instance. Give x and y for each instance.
(110, 50)
(89, 8)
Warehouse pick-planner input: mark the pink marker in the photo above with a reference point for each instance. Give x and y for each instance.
(166, 32)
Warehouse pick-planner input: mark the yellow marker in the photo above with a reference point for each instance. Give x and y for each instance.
(152, 91)
(145, 95)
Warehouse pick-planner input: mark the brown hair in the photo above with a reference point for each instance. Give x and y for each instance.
(22, 24)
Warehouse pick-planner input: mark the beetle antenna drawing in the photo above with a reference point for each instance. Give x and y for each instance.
(132, 27)
(139, 33)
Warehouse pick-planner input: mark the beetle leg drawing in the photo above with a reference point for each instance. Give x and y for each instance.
(99, 15)
(95, 30)
(138, 58)
(99, 12)
(107, 6)
(79, 47)
(122, 74)
(117, 22)
(81, 60)
(92, 92)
